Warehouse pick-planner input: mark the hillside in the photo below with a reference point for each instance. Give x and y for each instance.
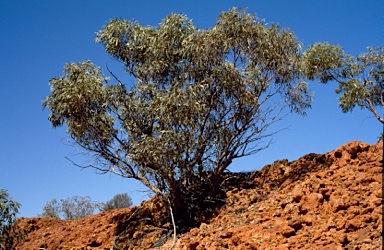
(329, 201)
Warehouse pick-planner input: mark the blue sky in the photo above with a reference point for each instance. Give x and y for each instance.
(39, 37)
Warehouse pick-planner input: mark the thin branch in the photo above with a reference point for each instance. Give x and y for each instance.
(173, 223)
(114, 76)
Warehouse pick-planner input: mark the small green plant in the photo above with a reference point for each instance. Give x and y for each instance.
(10, 233)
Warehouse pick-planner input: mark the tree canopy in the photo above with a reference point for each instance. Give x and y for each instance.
(360, 79)
(201, 99)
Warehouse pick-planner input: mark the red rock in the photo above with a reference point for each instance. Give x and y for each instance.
(310, 202)
(330, 201)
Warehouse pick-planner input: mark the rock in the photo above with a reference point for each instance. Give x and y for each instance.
(295, 223)
(297, 194)
(330, 201)
(311, 201)
(287, 231)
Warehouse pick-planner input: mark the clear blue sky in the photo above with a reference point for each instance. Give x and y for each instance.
(39, 37)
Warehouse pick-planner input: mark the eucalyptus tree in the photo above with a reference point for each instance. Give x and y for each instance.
(10, 232)
(201, 98)
(360, 79)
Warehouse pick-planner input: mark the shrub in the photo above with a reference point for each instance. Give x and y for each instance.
(118, 201)
(76, 207)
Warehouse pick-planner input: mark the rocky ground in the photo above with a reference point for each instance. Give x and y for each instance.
(329, 201)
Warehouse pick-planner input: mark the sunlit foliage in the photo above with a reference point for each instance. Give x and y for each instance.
(360, 79)
(201, 99)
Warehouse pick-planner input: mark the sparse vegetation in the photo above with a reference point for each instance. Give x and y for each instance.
(75, 207)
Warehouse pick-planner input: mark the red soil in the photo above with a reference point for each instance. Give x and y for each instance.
(330, 201)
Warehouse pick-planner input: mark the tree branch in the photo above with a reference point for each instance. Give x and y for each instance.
(373, 110)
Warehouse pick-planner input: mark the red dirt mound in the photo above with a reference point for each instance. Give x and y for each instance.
(330, 201)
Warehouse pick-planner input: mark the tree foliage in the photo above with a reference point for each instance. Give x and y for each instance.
(118, 201)
(10, 233)
(51, 209)
(360, 79)
(201, 99)
(76, 207)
